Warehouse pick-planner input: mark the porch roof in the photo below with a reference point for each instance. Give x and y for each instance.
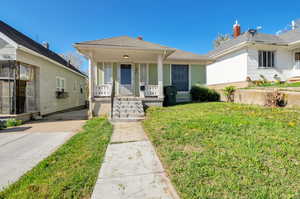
(116, 44)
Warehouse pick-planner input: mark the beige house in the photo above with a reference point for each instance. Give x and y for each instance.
(129, 73)
(35, 80)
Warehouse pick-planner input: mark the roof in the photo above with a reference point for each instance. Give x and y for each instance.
(282, 39)
(27, 42)
(126, 42)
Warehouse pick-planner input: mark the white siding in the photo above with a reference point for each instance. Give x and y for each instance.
(228, 69)
(47, 73)
(283, 65)
(7, 51)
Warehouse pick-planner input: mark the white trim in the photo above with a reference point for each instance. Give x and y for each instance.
(190, 76)
(20, 47)
(9, 40)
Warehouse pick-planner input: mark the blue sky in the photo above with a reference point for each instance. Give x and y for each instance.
(188, 25)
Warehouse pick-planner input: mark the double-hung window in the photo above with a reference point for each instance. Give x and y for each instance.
(180, 77)
(297, 60)
(108, 73)
(266, 59)
(60, 84)
(143, 74)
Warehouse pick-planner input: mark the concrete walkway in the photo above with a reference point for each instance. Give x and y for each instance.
(22, 147)
(131, 168)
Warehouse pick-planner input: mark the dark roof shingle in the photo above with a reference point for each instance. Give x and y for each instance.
(27, 42)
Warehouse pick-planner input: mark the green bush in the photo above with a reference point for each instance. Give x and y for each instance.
(204, 94)
(2, 125)
(213, 96)
(229, 93)
(13, 122)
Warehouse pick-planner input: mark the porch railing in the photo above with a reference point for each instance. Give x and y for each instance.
(104, 90)
(151, 90)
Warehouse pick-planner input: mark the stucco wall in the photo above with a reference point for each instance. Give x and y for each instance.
(230, 68)
(283, 64)
(48, 72)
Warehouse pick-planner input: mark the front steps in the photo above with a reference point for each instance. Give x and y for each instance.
(127, 109)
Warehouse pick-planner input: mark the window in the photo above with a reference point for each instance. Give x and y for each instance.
(60, 84)
(266, 59)
(107, 73)
(297, 57)
(143, 74)
(180, 77)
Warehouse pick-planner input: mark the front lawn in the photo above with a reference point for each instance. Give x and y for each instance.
(278, 85)
(71, 171)
(224, 150)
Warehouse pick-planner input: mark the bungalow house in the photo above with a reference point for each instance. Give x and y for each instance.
(255, 56)
(35, 80)
(128, 73)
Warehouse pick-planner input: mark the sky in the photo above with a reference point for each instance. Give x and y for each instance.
(187, 25)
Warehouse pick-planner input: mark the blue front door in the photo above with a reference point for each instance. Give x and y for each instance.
(126, 79)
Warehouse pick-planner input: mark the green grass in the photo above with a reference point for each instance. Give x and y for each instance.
(278, 85)
(224, 150)
(71, 171)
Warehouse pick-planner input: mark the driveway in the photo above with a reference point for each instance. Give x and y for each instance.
(21, 148)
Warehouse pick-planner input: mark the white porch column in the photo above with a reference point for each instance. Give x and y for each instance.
(91, 86)
(160, 75)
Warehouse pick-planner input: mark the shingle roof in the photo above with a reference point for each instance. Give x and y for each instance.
(125, 42)
(282, 39)
(134, 43)
(27, 42)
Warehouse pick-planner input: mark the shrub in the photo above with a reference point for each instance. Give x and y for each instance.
(213, 96)
(229, 93)
(13, 122)
(275, 99)
(2, 124)
(203, 94)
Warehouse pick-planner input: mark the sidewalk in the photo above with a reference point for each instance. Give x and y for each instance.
(131, 168)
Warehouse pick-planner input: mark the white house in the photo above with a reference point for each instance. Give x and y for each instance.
(35, 80)
(253, 55)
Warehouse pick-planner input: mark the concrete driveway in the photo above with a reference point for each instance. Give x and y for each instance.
(21, 148)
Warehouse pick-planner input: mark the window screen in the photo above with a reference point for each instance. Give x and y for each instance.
(180, 77)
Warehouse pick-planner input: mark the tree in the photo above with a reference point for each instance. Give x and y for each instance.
(220, 38)
(74, 58)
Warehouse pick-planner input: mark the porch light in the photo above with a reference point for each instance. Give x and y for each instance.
(125, 56)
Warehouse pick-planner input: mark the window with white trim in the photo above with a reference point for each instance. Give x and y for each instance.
(108, 73)
(143, 74)
(60, 84)
(180, 77)
(266, 59)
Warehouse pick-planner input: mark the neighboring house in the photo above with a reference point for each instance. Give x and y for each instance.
(253, 55)
(125, 66)
(34, 79)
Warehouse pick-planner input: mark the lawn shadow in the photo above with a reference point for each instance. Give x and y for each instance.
(14, 129)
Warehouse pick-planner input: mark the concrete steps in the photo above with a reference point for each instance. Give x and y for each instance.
(127, 109)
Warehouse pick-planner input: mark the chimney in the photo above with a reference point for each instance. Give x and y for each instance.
(140, 38)
(236, 29)
(46, 45)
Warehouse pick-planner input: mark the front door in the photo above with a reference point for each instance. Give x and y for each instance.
(126, 80)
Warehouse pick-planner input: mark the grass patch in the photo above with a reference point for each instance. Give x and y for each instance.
(278, 85)
(71, 171)
(225, 150)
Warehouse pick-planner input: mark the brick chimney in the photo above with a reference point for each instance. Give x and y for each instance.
(236, 29)
(140, 38)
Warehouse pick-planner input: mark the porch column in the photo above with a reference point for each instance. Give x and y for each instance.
(91, 86)
(160, 75)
